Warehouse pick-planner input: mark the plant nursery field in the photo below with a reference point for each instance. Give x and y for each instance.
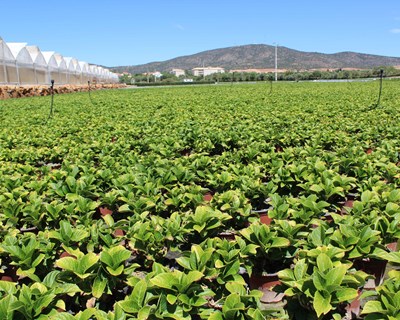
(222, 202)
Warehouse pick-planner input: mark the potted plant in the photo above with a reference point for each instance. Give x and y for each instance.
(386, 305)
(321, 286)
(271, 256)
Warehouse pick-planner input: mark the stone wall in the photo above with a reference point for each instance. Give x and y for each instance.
(8, 91)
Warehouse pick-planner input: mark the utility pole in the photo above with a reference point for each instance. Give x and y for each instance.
(276, 62)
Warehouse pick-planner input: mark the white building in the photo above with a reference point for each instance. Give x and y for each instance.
(178, 72)
(205, 71)
(155, 74)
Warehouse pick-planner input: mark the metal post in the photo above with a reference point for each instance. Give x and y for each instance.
(17, 67)
(34, 71)
(5, 71)
(276, 62)
(52, 101)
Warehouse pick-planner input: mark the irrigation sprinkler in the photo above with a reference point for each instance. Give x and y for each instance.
(90, 96)
(52, 100)
(375, 105)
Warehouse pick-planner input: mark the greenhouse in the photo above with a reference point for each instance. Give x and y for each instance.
(21, 64)
(85, 73)
(3, 75)
(39, 65)
(52, 66)
(62, 68)
(95, 73)
(24, 63)
(9, 64)
(73, 70)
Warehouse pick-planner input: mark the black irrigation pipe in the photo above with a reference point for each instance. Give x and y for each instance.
(90, 96)
(52, 101)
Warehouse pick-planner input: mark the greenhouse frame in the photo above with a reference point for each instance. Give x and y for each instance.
(21, 64)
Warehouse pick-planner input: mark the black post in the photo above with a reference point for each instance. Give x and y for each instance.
(90, 96)
(52, 98)
(89, 89)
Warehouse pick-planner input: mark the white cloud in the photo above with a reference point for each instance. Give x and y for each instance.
(397, 30)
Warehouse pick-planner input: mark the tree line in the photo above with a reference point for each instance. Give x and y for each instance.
(289, 75)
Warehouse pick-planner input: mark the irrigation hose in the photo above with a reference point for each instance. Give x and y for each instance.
(52, 101)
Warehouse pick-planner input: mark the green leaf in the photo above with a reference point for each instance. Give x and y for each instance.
(8, 287)
(184, 262)
(139, 293)
(78, 266)
(119, 313)
(219, 264)
(279, 242)
(235, 287)
(171, 298)
(6, 311)
(300, 270)
(346, 294)
(320, 166)
(115, 272)
(324, 262)
(144, 313)
(67, 288)
(194, 276)
(99, 286)
(50, 279)
(43, 302)
(318, 280)
(232, 305)
(87, 261)
(321, 305)
(164, 280)
(86, 314)
(216, 315)
(316, 188)
(335, 276)
(366, 196)
(373, 307)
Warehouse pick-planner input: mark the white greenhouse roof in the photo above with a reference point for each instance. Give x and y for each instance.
(60, 61)
(37, 56)
(72, 64)
(49, 57)
(94, 69)
(20, 53)
(84, 66)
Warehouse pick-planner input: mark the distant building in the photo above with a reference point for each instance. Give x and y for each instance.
(205, 71)
(156, 74)
(178, 72)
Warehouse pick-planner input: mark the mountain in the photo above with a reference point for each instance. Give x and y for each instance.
(261, 56)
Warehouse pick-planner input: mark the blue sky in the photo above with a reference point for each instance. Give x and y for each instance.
(122, 32)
